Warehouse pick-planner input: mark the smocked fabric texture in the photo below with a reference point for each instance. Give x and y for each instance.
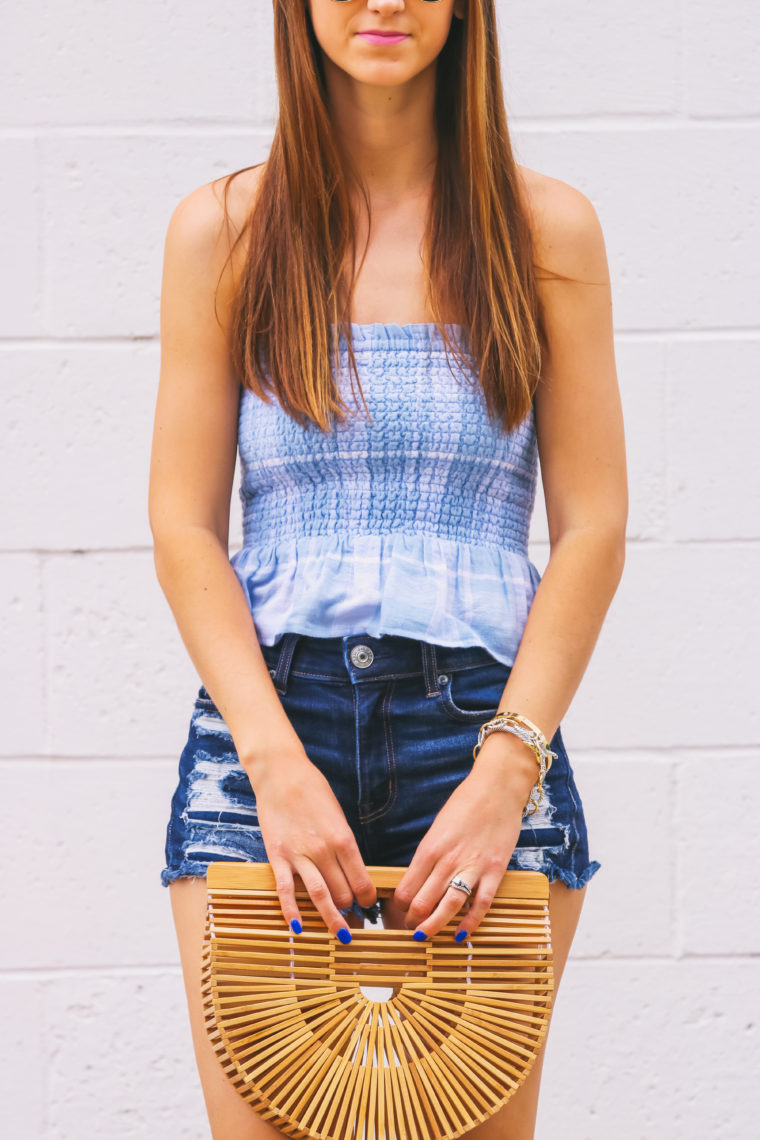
(412, 523)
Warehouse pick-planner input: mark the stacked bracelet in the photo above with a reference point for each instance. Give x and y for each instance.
(526, 731)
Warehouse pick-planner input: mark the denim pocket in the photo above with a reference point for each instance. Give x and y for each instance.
(472, 695)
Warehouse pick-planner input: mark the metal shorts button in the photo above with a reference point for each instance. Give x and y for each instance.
(362, 656)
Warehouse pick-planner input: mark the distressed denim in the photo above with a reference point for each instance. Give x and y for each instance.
(391, 722)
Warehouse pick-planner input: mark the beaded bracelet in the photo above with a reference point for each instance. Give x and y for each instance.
(528, 732)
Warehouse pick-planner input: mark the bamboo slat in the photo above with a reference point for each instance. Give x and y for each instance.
(315, 1056)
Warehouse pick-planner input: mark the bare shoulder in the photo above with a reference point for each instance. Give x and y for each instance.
(240, 191)
(567, 233)
(199, 389)
(209, 223)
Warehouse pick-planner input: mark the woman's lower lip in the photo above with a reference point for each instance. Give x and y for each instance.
(374, 39)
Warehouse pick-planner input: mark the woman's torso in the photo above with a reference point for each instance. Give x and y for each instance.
(416, 523)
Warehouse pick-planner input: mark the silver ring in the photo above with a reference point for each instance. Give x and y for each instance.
(460, 885)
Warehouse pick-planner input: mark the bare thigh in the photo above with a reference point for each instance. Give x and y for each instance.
(517, 1119)
(231, 1118)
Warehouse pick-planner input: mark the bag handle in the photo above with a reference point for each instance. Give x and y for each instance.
(229, 876)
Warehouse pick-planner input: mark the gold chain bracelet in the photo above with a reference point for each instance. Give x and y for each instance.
(531, 735)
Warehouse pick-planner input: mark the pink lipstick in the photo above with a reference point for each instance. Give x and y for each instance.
(382, 38)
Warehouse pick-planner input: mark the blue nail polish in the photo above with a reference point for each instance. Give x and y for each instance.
(419, 935)
(344, 934)
(461, 935)
(295, 925)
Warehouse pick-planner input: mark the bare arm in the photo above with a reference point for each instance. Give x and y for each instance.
(581, 445)
(191, 477)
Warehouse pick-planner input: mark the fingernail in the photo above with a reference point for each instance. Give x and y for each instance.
(460, 935)
(419, 935)
(344, 934)
(295, 925)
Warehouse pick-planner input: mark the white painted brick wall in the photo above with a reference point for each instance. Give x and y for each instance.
(109, 114)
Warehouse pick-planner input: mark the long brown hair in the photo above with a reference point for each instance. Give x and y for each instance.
(295, 287)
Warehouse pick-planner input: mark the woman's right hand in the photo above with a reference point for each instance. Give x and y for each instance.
(305, 831)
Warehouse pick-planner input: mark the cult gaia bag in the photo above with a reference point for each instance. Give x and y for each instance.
(456, 1033)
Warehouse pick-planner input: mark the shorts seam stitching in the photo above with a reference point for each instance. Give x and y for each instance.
(390, 758)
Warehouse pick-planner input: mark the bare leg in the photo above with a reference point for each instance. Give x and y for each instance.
(230, 1116)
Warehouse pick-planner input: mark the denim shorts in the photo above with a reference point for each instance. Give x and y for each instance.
(391, 722)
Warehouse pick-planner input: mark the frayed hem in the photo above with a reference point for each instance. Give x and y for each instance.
(186, 870)
(569, 878)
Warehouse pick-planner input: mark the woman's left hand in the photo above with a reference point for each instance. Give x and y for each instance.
(473, 836)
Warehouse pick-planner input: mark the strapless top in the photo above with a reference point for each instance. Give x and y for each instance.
(414, 522)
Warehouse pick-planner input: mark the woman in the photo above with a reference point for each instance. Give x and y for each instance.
(383, 607)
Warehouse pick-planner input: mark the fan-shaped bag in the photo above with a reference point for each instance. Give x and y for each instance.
(456, 1033)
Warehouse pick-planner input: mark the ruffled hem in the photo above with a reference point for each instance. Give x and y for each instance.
(410, 585)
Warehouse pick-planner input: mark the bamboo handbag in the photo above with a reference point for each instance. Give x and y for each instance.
(452, 1035)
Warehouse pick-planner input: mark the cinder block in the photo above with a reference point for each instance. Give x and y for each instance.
(718, 852)
(121, 682)
(80, 463)
(721, 54)
(23, 1058)
(22, 670)
(716, 227)
(140, 63)
(682, 246)
(121, 1059)
(628, 805)
(598, 58)
(641, 371)
(90, 893)
(20, 261)
(712, 419)
(108, 201)
(81, 459)
(677, 639)
(651, 1048)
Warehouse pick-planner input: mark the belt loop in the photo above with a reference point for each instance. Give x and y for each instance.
(287, 649)
(430, 668)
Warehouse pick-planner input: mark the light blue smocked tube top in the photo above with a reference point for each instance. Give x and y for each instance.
(415, 524)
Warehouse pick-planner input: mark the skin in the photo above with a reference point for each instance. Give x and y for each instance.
(381, 102)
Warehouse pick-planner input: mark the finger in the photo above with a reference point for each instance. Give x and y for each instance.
(413, 880)
(321, 896)
(445, 902)
(326, 862)
(353, 866)
(451, 903)
(480, 902)
(285, 887)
